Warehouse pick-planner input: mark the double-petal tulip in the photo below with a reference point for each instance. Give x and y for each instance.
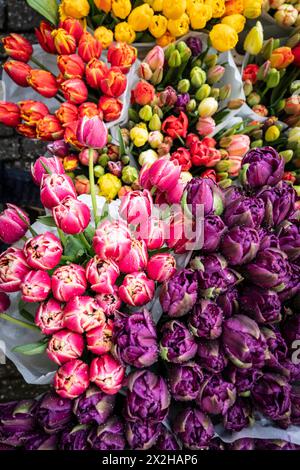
(102, 275)
(13, 269)
(18, 71)
(71, 215)
(50, 316)
(14, 223)
(43, 82)
(68, 281)
(136, 289)
(72, 379)
(64, 345)
(36, 286)
(107, 373)
(43, 251)
(54, 188)
(83, 313)
(17, 47)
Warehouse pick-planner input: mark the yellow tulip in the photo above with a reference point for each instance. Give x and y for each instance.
(218, 7)
(104, 35)
(179, 27)
(192, 4)
(234, 6)
(139, 136)
(174, 9)
(166, 39)
(109, 186)
(104, 5)
(156, 5)
(223, 37)
(252, 8)
(74, 9)
(236, 21)
(121, 8)
(124, 32)
(254, 40)
(158, 25)
(200, 15)
(140, 17)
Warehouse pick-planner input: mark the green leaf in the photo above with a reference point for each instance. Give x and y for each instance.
(27, 315)
(121, 142)
(47, 220)
(46, 8)
(31, 349)
(89, 233)
(74, 248)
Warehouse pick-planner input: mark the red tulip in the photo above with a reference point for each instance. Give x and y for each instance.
(67, 113)
(75, 90)
(121, 55)
(110, 107)
(115, 82)
(49, 128)
(71, 66)
(95, 71)
(73, 27)
(18, 71)
(43, 82)
(9, 114)
(17, 47)
(44, 36)
(88, 47)
(32, 111)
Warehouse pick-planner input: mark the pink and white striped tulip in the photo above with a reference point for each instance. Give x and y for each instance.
(136, 289)
(49, 316)
(161, 267)
(72, 379)
(68, 281)
(71, 215)
(36, 286)
(83, 313)
(112, 240)
(13, 269)
(54, 188)
(14, 224)
(135, 259)
(152, 234)
(110, 303)
(65, 345)
(92, 132)
(136, 207)
(43, 251)
(102, 274)
(164, 174)
(107, 373)
(99, 339)
(53, 164)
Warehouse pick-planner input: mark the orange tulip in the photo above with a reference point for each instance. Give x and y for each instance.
(114, 84)
(89, 48)
(49, 128)
(75, 90)
(32, 111)
(43, 34)
(95, 71)
(281, 57)
(88, 109)
(82, 185)
(9, 114)
(43, 82)
(18, 71)
(70, 162)
(71, 66)
(73, 27)
(64, 43)
(27, 131)
(70, 135)
(17, 47)
(67, 113)
(122, 55)
(110, 107)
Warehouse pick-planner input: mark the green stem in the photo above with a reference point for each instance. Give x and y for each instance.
(62, 236)
(21, 323)
(39, 64)
(92, 185)
(84, 241)
(31, 230)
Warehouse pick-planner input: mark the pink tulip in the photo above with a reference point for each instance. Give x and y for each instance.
(84, 156)
(175, 235)
(174, 195)
(13, 269)
(135, 259)
(144, 178)
(72, 379)
(4, 302)
(68, 281)
(239, 145)
(64, 346)
(107, 373)
(110, 303)
(112, 240)
(164, 174)
(99, 339)
(14, 223)
(71, 215)
(38, 171)
(36, 286)
(155, 58)
(54, 188)
(83, 313)
(235, 165)
(43, 251)
(136, 207)
(152, 234)
(49, 317)
(161, 267)
(136, 289)
(102, 275)
(92, 132)
(205, 126)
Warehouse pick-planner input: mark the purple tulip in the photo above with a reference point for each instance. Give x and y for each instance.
(59, 148)
(274, 444)
(177, 344)
(17, 417)
(93, 406)
(295, 400)
(211, 356)
(142, 435)
(289, 239)
(42, 441)
(135, 339)
(292, 287)
(193, 428)
(76, 438)
(214, 228)
(206, 320)
(291, 330)
(260, 167)
(231, 194)
(179, 294)
(243, 379)
(240, 245)
(268, 239)
(229, 302)
(54, 413)
(147, 397)
(243, 342)
(278, 351)
(279, 202)
(269, 270)
(216, 444)
(216, 395)
(182, 100)
(185, 380)
(166, 441)
(214, 278)
(239, 415)
(263, 305)
(108, 436)
(243, 444)
(247, 211)
(203, 192)
(271, 395)
(195, 44)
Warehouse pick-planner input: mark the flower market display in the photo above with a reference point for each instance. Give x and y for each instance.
(158, 293)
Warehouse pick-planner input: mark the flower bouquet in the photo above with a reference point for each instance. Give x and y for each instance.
(283, 13)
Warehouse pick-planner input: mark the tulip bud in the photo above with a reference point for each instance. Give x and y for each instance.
(9, 114)
(174, 59)
(157, 76)
(208, 107)
(145, 113)
(73, 27)
(129, 174)
(253, 99)
(169, 50)
(43, 82)
(147, 157)
(225, 92)
(183, 85)
(14, 223)
(215, 92)
(157, 110)
(286, 15)
(18, 71)
(44, 37)
(215, 74)
(92, 132)
(268, 47)
(155, 58)
(144, 71)
(272, 134)
(210, 60)
(248, 87)
(155, 123)
(287, 155)
(292, 105)
(203, 92)
(256, 143)
(17, 47)
(293, 40)
(198, 77)
(254, 40)
(273, 78)
(191, 106)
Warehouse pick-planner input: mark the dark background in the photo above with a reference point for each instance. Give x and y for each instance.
(16, 155)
